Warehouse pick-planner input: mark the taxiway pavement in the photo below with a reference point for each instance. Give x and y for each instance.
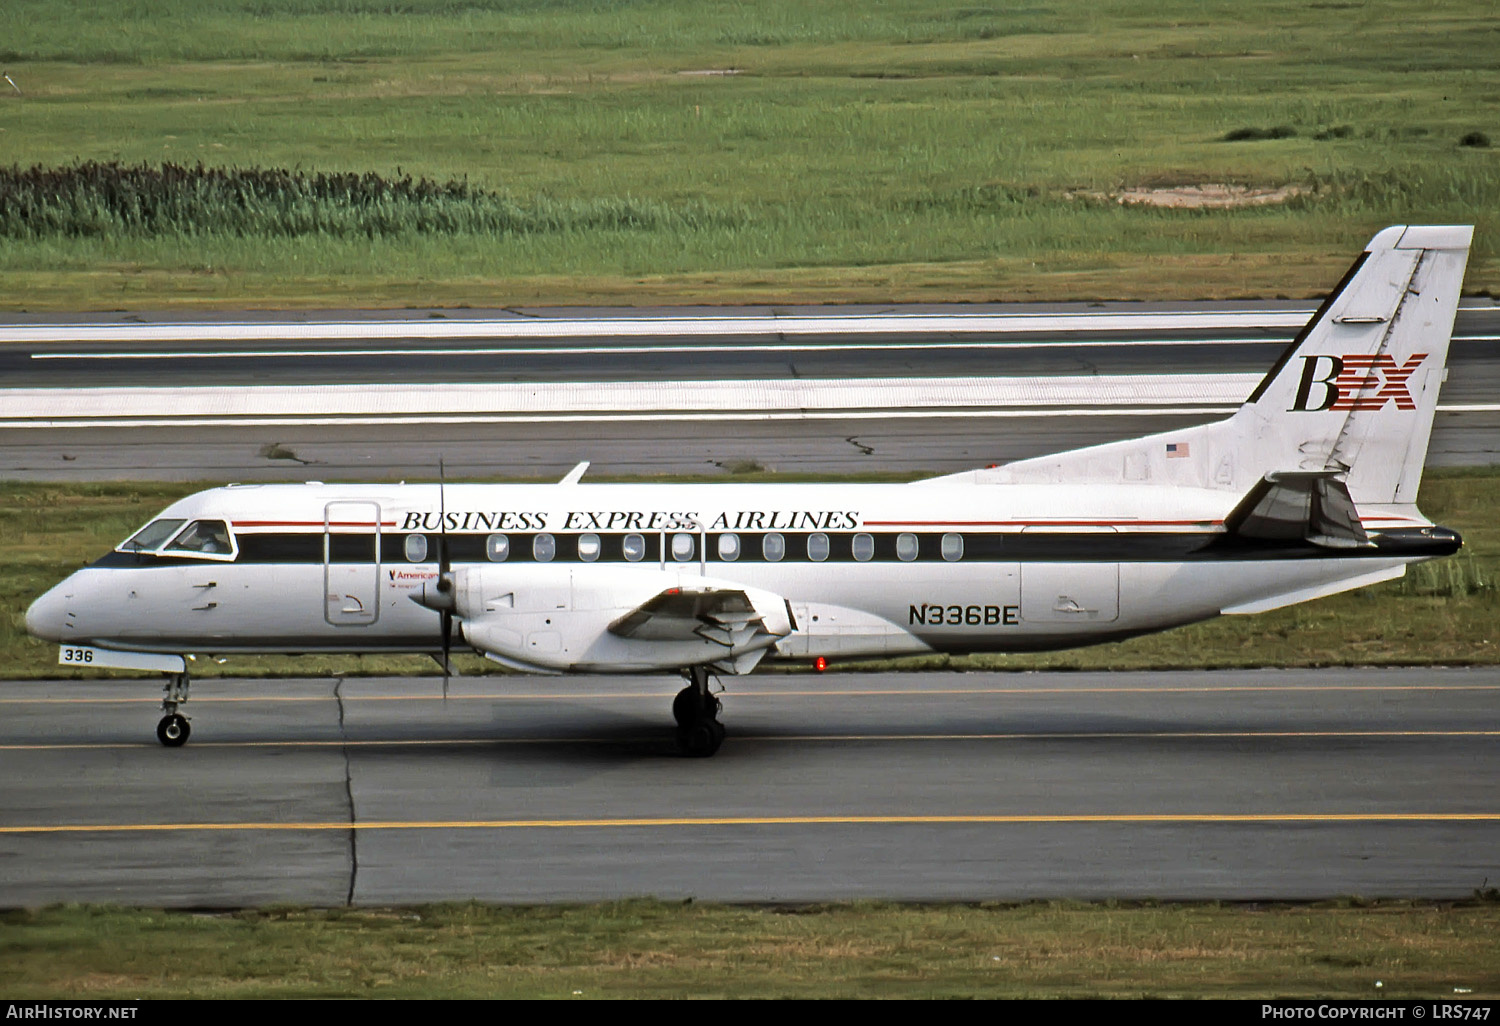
(935, 786)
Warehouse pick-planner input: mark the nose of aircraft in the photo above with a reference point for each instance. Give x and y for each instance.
(47, 615)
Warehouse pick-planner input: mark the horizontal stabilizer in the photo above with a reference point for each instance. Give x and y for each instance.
(1311, 505)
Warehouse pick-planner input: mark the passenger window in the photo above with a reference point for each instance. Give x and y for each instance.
(543, 548)
(208, 537)
(864, 547)
(817, 547)
(729, 547)
(773, 547)
(682, 546)
(906, 547)
(497, 548)
(953, 547)
(150, 536)
(588, 547)
(635, 548)
(416, 548)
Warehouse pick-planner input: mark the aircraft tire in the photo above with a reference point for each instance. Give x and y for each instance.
(700, 739)
(682, 705)
(173, 730)
(685, 708)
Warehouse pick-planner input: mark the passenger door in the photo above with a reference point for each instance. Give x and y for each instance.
(351, 563)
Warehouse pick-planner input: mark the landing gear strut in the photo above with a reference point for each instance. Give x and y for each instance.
(173, 730)
(699, 732)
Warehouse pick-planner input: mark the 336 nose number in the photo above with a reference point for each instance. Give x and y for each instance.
(75, 655)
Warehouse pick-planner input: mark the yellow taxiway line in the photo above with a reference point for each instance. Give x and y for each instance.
(1163, 819)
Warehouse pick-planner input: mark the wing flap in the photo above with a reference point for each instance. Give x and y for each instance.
(729, 617)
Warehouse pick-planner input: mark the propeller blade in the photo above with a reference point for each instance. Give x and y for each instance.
(443, 566)
(445, 576)
(447, 618)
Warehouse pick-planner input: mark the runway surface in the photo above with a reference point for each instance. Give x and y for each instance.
(1234, 785)
(506, 393)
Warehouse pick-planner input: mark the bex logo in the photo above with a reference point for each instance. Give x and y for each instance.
(1355, 382)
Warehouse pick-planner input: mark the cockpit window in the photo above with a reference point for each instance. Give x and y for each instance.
(148, 538)
(206, 537)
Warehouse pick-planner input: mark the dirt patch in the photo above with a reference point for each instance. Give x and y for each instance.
(1210, 196)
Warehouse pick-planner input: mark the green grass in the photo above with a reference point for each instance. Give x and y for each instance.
(637, 949)
(901, 150)
(1441, 613)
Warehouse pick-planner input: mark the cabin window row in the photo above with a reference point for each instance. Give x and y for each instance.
(683, 547)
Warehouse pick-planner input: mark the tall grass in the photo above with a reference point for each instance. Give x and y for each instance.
(939, 142)
(110, 199)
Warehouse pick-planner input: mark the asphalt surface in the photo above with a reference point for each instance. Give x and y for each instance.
(842, 353)
(1229, 785)
(1466, 432)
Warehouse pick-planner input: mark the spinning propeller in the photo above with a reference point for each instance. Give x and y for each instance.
(442, 598)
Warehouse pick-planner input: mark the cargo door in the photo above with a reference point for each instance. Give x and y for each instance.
(1069, 575)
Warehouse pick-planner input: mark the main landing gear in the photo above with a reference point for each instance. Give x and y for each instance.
(699, 732)
(173, 730)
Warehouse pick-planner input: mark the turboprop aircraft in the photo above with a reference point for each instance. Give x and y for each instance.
(1307, 490)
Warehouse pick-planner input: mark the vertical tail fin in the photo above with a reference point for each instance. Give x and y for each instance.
(1355, 392)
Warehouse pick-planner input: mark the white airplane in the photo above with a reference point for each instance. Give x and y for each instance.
(1309, 489)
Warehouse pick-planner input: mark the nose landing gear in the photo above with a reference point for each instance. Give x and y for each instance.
(699, 732)
(174, 729)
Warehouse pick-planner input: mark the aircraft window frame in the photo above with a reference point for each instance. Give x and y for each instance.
(497, 548)
(819, 548)
(773, 547)
(952, 547)
(862, 547)
(171, 548)
(589, 547)
(634, 547)
(684, 547)
(167, 534)
(414, 548)
(730, 547)
(544, 547)
(908, 546)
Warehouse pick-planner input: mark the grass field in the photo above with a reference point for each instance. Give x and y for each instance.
(902, 150)
(641, 949)
(1441, 613)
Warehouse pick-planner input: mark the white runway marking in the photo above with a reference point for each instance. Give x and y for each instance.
(640, 350)
(509, 402)
(657, 327)
(692, 400)
(643, 350)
